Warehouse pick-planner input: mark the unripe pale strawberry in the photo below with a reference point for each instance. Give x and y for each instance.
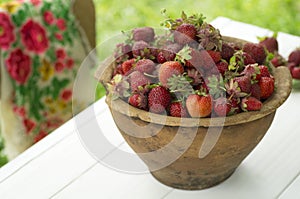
(138, 79)
(145, 66)
(199, 106)
(167, 70)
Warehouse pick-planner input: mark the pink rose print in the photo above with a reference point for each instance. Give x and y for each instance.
(66, 95)
(61, 24)
(54, 123)
(40, 136)
(59, 66)
(49, 17)
(70, 63)
(60, 54)
(29, 125)
(6, 31)
(34, 37)
(59, 37)
(35, 2)
(19, 66)
(20, 111)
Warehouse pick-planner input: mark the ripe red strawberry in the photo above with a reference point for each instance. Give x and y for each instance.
(159, 99)
(295, 57)
(291, 65)
(185, 33)
(295, 72)
(199, 106)
(222, 67)
(145, 66)
(139, 101)
(145, 33)
(278, 60)
(169, 52)
(244, 83)
(177, 109)
(266, 87)
(127, 66)
(118, 70)
(251, 104)
(167, 70)
(222, 107)
(227, 51)
(140, 49)
(270, 43)
(256, 51)
(255, 91)
(160, 58)
(264, 71)
(215, 55)
(138, 79)
(248, 59)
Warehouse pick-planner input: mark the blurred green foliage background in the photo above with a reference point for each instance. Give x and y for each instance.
(116, 15)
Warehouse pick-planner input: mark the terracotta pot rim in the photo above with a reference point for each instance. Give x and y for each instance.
(283, 87)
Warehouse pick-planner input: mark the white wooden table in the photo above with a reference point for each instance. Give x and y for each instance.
(60, 167)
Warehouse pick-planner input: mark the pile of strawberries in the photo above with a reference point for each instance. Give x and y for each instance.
(190, 71)
(294, 63)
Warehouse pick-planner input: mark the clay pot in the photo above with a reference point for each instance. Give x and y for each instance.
(170, 146)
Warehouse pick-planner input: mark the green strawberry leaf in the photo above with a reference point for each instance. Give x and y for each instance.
(184, 54)
(232, 63)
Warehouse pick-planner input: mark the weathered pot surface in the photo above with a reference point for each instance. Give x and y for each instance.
(195, 153)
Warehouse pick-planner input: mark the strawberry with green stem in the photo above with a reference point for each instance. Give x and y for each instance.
(270, 43)
(138, 100)
(118, 87)
(251, 104)
(196, 20)
(222, 107)
(233, 89)
(128, 65)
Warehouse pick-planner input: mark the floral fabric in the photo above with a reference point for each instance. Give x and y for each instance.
(40, 53)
